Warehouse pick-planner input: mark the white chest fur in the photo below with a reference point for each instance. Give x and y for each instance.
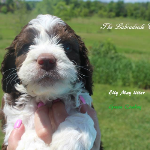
(77, 132)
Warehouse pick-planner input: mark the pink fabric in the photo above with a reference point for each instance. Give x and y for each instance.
(82, 99)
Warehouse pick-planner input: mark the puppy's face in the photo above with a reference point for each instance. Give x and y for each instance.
(47, 57)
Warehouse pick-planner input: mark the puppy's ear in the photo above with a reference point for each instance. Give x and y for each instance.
(86, 69)
(8, 70)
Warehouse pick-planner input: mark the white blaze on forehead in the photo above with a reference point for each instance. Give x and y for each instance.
(46, 21)
(30, 73)
(43, 38)
(42, 24)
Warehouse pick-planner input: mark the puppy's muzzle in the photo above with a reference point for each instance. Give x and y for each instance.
(46, 61)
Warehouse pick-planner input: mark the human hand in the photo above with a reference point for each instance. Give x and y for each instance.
(15, 135)
(85, 108)
(47, 121)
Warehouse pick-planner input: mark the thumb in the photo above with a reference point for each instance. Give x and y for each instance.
(15, 135)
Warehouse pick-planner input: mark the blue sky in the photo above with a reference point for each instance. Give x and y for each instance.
(131, 1)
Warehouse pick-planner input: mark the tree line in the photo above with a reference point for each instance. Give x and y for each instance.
(67, 9)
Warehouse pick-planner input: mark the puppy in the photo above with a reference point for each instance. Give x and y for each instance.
(47, 61)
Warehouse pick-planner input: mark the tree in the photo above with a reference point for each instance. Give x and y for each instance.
(62, 10)
(111, 7)
(120, 9)
(130, 9)
(45, 7)
(22, 15)
(8, 2)
(84, 12)
(136, 12)
(4, 9)
(142, 13)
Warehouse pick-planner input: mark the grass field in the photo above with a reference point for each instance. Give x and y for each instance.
(121, 129)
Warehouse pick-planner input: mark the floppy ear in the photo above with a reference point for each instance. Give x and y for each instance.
(8, 70)
(86, 69)
(8, 67)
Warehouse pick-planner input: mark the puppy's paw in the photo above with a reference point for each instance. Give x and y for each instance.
(77, 132)
(30, 141)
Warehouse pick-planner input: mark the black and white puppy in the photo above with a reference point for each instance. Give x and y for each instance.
(47, 61)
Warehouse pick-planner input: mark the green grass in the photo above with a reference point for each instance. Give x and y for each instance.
(133, 43)
(121, 129)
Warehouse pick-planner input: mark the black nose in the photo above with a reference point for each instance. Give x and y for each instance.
(46, 61)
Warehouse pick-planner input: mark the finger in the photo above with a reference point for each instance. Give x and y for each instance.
(59, 113)
(91, 112)
(52, 121)
(84, 108)
(42, 124)
(15, 135)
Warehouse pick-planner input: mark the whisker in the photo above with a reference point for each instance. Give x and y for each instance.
(74, 62)
(14, 79)
(8, 70)
(82, 67)
(10, 73)
(80, 77)
(9, 81)
(78, 66)
(10, 76)
(83, 75)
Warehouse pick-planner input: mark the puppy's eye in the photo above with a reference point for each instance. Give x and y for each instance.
(23, 50)
(67, 47)
(26, 47)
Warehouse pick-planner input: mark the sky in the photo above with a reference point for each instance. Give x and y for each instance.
(127, 1)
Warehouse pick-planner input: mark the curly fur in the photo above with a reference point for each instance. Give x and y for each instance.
(20, 102)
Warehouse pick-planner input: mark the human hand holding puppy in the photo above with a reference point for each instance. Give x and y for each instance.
(47, 121)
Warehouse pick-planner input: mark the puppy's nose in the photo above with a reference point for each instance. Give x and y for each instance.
(46, 61)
